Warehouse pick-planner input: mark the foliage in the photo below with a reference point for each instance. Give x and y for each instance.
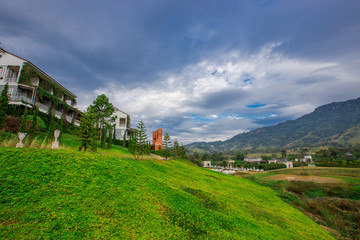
(71, 195)
(51, 129)
(61, 128)
(88, 133)
(335, 205)
(102, 109)
(4, 103)
(166, 146)
(103, 136)
(23, 124)
(33, 127)
(138, 143)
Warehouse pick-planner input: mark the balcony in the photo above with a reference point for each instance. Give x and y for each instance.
(58, 114)
(43, 108)
(68, 118)
(10, 79)
(20, 98)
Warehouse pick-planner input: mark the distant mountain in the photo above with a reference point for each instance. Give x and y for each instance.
(331, 124)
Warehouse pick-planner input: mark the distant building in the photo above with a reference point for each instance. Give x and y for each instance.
(252, 159)
(307, 157)
(29, 86)
(230, 163)
(272, 161)
(157, 139)
(289, 164)
(206, 163)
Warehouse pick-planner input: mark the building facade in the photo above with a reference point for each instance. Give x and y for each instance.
(122, 125)
(29, 86)
(157, 139)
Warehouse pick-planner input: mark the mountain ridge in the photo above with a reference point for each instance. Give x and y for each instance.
(336, 123)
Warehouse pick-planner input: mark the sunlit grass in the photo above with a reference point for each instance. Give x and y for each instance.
(67, 194)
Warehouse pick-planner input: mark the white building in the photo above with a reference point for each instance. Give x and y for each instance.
(29, 85)
(206, 163)
(122, 125)
(252, 159)
(289, 164)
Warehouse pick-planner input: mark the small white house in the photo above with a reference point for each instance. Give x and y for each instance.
(206, 163)
(289, 164)
(122, 124)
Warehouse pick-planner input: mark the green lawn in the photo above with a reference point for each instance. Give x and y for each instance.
(61, 194)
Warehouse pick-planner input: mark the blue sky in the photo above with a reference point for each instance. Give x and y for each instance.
(201, 70)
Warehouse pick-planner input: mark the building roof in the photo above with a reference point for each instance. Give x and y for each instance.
(116, 109)
(42, 72)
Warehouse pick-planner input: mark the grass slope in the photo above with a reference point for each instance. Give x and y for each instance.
(67, 195)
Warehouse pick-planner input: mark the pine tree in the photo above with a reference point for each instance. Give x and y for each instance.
(137, 145)
(88, 131)
(103, 136)
(23, 123)
(102, 109)
(4, 104)
(166, 146)
(182, 152)
(176, 149)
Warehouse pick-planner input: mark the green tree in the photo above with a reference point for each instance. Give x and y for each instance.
(4, 104)
(166, 146)
(103, 136)
(33, 126)
(24, 121)
(205, 157)
(102, 109)
(176, 149)
(50, 133)
(88, 132)
(137, 144)
(182, 152)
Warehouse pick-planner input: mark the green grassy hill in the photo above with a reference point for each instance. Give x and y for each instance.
(68, 195)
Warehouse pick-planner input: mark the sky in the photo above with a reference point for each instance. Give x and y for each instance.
(201, 70)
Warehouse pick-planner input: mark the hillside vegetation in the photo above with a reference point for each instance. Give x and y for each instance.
(62, 194)
(332, 124)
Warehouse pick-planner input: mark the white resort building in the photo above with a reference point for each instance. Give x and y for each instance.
(29, 86)
(122, 125)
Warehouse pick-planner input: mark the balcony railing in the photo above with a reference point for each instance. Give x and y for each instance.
(58, 114)
(20, 97)
(77, 123)
(11, 79)
(43, 108)
(68, 118)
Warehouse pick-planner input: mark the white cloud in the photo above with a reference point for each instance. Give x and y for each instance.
(289, 88)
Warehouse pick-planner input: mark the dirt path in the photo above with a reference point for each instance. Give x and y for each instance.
(305, 178)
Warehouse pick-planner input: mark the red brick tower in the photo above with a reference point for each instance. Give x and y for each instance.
(157, 139)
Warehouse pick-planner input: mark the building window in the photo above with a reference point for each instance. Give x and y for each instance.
(122, 122)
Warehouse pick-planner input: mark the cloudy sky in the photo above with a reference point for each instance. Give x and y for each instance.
(202, 70)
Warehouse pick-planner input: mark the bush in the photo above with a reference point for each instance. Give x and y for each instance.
(12, 124)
